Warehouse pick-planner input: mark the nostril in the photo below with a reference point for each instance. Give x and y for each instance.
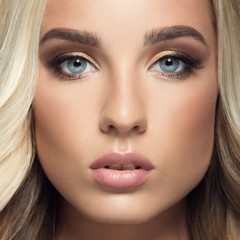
(123, 120)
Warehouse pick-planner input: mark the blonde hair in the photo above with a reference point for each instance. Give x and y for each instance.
(213, 207)
(19, 38)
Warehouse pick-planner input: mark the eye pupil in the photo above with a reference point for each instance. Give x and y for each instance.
(77, 63)
(169, 62)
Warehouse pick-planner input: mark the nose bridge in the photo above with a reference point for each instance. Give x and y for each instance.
(123, 111)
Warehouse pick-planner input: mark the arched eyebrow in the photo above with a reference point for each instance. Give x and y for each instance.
(150, 38)
(157, 35)
(83, 37)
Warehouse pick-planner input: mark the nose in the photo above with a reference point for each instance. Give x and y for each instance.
(123, 112)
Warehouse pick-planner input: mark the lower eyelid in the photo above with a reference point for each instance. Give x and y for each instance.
(68, 76)
(181, 74)
(175, 75)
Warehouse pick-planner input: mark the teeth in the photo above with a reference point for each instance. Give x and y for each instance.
(122, 167)
(129, 167)
(115, 166)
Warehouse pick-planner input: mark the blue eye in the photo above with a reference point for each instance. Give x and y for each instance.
(73, 66)
(168, 65)
(76, 65)
(171, 65)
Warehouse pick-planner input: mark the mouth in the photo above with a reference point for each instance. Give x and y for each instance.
(116, 170)
(122, 167)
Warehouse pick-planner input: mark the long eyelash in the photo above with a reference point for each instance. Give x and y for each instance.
(190, 63)
(54, 65)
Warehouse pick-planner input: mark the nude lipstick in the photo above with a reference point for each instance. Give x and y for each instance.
(117, 170)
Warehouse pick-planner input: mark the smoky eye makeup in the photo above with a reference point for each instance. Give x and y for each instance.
(174, 65)
(72, 66)
(76, 65)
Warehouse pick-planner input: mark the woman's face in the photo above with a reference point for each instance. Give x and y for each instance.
(121, 82)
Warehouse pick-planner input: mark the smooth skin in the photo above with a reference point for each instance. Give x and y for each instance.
(125, 102)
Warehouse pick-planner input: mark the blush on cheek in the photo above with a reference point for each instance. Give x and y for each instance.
(186, 150)
(193, 130)
(187, 129)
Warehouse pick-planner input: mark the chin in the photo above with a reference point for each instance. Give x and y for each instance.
(115, 217)
(133, 212)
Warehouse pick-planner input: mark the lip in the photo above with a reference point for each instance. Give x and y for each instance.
(121, 178)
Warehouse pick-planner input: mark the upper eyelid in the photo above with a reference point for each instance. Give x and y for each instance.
(175, 54)
(78, 54)
(157, 57)
(163, 54)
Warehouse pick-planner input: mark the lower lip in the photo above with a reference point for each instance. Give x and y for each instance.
(121, 178)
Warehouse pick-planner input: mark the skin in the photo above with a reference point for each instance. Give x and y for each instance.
(124, 105)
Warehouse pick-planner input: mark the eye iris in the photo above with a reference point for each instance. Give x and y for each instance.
(169, 64)
(77, 65)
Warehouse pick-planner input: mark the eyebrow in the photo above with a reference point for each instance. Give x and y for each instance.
(83, 37)
(155, 36)
(150, 38)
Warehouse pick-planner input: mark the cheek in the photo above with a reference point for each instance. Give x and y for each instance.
(192, 122)
(185, 115)
(191, 132)
(62, 121)
(184, 135)
(61, 110)
(52, 121)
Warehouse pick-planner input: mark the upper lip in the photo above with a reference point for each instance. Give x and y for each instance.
(123, 159)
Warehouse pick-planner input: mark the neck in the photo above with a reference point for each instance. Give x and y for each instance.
(170, 225)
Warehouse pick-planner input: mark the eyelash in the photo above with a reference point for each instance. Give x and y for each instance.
(189, 65)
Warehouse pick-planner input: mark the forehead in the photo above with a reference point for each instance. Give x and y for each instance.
(127, 18)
